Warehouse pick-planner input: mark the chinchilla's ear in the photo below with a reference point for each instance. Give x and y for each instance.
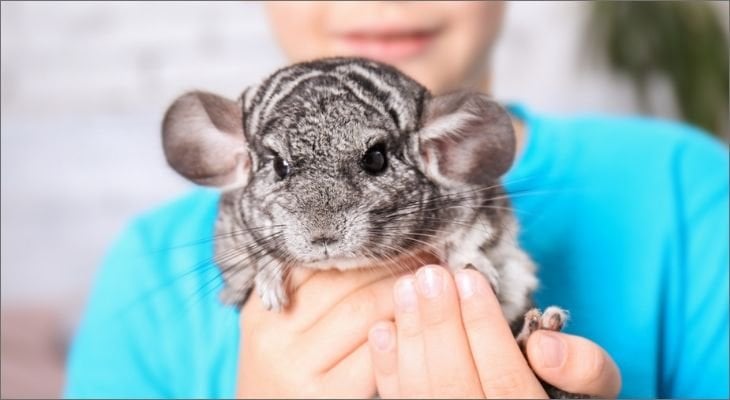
(203, 139)
(466, 138)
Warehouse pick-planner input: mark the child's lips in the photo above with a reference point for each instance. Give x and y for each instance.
(387, 45)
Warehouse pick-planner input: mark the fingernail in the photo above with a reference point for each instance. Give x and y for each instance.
(466, 284)
(405, 295)
(381, 338)
(552, 350)
(430, 281)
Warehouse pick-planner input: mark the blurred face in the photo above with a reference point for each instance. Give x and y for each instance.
(444, 45)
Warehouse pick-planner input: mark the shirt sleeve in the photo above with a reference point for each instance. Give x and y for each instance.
(696, 340)
(112, 355)
(154, 326)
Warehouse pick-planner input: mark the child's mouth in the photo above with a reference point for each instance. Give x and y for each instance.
(387, 45)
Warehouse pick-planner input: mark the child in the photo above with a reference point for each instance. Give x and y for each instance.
(627, 220)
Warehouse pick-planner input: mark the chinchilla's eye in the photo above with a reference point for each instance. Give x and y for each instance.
(374, 161)
(281, 167)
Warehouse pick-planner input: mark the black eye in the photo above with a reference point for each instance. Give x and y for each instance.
(374, 161)
(281, 167)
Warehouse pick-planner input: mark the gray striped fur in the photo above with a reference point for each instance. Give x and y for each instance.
(321, 117)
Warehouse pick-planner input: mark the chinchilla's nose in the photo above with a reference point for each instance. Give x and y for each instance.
(323, 239)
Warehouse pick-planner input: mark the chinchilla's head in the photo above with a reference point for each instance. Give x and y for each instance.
(342, 160)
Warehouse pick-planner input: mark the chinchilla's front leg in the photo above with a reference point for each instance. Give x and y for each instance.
(270, 285)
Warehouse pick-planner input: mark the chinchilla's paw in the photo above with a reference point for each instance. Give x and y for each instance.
(271, 288)
(274, 297)
(553, 319)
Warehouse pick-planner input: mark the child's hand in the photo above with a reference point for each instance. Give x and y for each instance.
(317, 347)
(459, 345)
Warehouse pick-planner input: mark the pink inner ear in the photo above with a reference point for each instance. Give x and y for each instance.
(476, 152)
(459, 160)
(467, 138)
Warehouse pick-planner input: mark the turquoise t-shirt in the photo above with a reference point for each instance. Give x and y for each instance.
(627, 219)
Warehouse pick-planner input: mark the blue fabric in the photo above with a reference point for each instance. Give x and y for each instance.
(626, 217)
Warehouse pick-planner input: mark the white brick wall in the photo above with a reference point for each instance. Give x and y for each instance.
(117, 56)
(84, 86)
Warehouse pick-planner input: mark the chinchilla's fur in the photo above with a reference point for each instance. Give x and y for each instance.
(439, 191)
(347, 163)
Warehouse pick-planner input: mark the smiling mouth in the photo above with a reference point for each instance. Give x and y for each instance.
(387, 44)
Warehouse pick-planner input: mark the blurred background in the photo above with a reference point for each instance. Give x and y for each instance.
(85, 85)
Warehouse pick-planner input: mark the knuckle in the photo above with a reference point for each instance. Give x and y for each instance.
(410, 330)
(434, 315)
(478, 321)
(409, 327)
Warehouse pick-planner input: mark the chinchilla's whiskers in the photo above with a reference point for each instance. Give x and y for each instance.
(255, 250)
(410, 237)
(390, 262)
(479, 190)
(439, 234)
(282, 262)
(423, 233)
(466, 194)
(243, 251)
(413, 254)
(211, 238)
(377, 262)
(418, 209)
(203, 264)
(522, 194)
(401, 250)
(443, 207)
(277, 266)
(289, 261)
(282, 268)
(206, 263)
(260, 250)
(437, 202)
(445, 222)
(473, 194)
(260, 247)
(264, 247)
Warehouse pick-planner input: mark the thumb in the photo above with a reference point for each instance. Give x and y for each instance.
(573, 364)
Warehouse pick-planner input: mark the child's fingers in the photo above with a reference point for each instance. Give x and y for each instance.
(412, 374)
(449, 360)
(573, 364)
(345, 326)
(502, 368)
(383, 346)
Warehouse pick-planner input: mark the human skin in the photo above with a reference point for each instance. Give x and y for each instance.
(355, 333)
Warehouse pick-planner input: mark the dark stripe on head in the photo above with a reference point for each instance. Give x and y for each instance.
(381, 96)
